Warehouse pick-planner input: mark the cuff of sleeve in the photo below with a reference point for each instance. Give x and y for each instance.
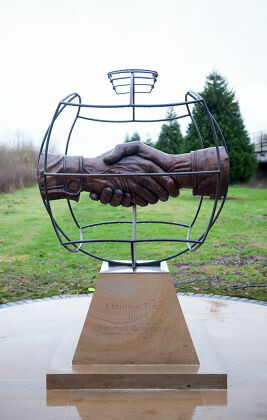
(207, 160)
(72, 184)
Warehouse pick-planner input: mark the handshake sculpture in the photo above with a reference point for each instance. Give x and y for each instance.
(131, 159)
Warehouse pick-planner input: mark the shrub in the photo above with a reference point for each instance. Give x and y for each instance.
(17, 166)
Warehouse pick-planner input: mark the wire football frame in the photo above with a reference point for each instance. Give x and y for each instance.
(125, 82)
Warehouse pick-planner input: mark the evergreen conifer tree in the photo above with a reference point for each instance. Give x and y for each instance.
(149, 142)
(224, 107)
(134, 137)
(170, 138)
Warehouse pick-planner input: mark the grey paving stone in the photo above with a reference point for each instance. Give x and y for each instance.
(39, 300)
(21, 302)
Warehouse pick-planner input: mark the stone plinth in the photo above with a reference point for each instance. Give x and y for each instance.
(135, 336)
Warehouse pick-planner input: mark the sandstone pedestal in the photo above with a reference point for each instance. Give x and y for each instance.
(135, 336)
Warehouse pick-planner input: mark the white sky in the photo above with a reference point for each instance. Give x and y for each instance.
(54, 47)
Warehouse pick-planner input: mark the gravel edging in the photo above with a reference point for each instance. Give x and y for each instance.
(234, 298)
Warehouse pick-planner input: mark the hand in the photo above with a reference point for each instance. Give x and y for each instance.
(162, 159)
(118, 197)
(114, 197)
(126, 191)
(200, 160)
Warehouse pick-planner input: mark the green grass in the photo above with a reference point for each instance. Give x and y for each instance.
(231, 262)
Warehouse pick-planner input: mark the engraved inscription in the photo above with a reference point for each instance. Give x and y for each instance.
(132, 313)
(110, 306)
(132, 317)
(131, 328)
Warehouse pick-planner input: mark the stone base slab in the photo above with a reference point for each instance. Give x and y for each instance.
(208, 375)
(135, 377)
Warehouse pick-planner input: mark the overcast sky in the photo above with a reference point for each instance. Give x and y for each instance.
(54, 47)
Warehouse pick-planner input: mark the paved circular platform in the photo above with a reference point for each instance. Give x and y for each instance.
(30, 334)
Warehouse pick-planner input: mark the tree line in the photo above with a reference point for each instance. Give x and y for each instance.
(17, 165)
(224, 106)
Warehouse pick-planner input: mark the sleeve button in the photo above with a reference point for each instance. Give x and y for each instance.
(73, 186)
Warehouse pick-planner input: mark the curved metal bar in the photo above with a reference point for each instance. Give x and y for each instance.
(154, 72)
(58, 111)
(219, 210)
(123, 93)
(188, 238)
(211, 120)
(129, 121)
(219, 169)
(77, 248)
(214, 125)
(123, 84)
(192, 118)
(85, 241)
(135, 77)
(220, 132)
(66, 152)
(193, 221)
(195, 96)
(225, 146)
(48, 207)
(73, 215)
(143, 84)
(64, 104)
(138, 264)
(133, 105)
(131, 241)
(130, 222)
(73, 124)
(197, 212)
(143, 91)
(195, 246)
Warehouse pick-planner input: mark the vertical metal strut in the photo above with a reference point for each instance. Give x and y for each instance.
(134, 237)
(132, 101)
(128, 82)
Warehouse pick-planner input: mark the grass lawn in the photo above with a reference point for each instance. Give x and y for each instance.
(232, 261)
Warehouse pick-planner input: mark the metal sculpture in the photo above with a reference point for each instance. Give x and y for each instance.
(66, 176)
